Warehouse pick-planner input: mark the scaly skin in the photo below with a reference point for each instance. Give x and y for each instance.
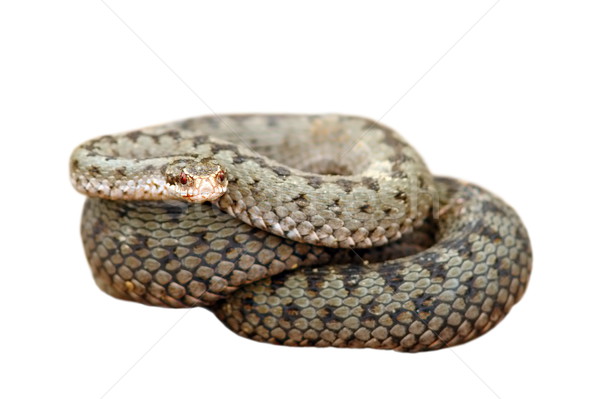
(437, 262)
(384, 188)
(445, 283)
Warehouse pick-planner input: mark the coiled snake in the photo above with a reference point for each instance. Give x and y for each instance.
(312, 230)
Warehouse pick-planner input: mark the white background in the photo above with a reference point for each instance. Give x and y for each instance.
(503, 94)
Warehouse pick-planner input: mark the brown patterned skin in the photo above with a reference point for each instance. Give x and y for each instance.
(447, 282)
(296, 176)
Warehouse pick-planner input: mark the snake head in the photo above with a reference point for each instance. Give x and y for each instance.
(196, 180)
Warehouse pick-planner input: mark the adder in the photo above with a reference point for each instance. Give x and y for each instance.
(302, 230)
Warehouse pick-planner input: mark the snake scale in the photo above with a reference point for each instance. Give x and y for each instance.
(301, 230)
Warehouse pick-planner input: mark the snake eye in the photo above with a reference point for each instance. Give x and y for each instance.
(221, 177)
(183, 178)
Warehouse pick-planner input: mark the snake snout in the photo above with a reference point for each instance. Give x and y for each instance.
(196, 180)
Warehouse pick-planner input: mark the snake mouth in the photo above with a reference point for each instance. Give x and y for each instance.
(200, 190)
(201, 194)
(196, 180)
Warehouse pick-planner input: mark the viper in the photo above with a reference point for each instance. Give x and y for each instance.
(302, 230)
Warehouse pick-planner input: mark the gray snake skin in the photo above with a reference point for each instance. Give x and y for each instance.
(319, 248)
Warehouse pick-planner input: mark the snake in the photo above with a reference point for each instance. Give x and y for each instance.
(300, 230)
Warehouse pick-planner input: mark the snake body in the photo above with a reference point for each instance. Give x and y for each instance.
(320, 248)
(379, 189)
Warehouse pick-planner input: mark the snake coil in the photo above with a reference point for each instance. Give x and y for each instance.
(290, 238)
